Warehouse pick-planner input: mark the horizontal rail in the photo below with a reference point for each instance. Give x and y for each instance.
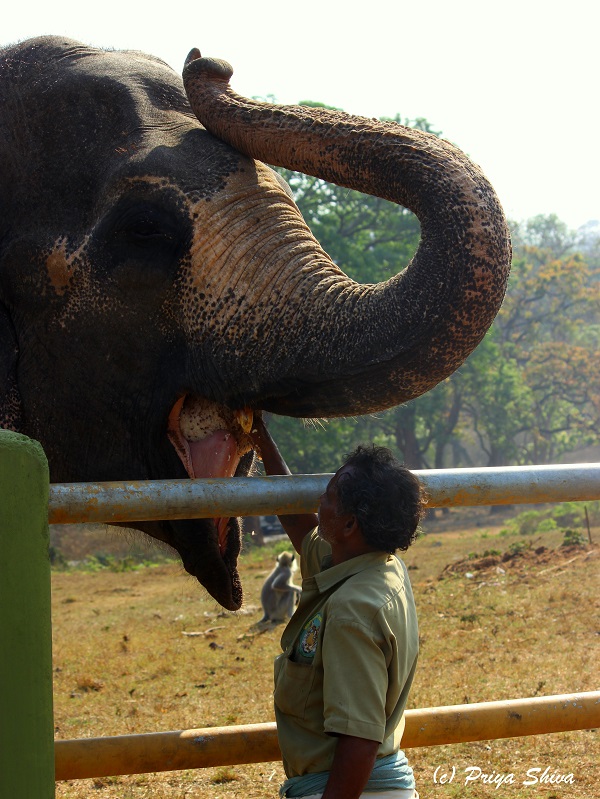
(252, 496)
(257, 743)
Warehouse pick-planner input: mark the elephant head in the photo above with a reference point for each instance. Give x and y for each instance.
(158, 284)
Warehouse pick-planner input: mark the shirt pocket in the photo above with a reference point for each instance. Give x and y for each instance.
(293, 685)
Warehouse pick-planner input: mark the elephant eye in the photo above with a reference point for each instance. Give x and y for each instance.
(147, 226)
(147, 229)
(138, 237)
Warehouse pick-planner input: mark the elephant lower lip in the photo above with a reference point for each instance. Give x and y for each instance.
(216, 568)
(226, 589)
(233, 600)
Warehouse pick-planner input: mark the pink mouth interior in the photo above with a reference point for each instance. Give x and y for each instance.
(216, 455)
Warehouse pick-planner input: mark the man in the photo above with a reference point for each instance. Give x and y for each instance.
(350, 649)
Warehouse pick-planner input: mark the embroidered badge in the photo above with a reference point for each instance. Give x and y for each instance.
(309, 637)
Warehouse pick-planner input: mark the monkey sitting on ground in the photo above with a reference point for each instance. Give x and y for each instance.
(279, 594)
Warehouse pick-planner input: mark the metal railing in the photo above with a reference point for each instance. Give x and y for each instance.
(254, 496)
(257, 743)
(27, 502)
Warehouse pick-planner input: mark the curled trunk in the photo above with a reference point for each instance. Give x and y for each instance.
(371, 347)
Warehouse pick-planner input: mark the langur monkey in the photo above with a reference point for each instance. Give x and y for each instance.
(279, 594)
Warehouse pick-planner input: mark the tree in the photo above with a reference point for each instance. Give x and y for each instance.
(497, 402)
(538, 396)
(566, 389)
(527, 394)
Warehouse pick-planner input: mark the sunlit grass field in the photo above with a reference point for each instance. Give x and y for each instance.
(490, 629)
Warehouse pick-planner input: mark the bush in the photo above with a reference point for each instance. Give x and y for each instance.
(99, 561)
(517, 547)
(546, 525)
(57, 559)
(526, 523)
(556, 517)
(573, 538)
(569, 514)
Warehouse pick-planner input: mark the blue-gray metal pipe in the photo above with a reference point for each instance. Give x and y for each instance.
(252, 496)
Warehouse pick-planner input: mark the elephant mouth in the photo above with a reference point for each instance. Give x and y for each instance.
(211, 440)
(215, 570)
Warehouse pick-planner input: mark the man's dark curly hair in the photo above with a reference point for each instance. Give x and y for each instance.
(386, 498)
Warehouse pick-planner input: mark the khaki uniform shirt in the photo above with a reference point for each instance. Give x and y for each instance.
(349, 657)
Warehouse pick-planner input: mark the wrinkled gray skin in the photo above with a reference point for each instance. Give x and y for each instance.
(156, 279)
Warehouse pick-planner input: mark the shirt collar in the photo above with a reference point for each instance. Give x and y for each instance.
(331, 575)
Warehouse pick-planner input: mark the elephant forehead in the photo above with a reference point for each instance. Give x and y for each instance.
(49, 67)
(184, 156)
(91, 115)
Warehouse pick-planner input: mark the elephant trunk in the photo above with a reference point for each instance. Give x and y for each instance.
(378, 345)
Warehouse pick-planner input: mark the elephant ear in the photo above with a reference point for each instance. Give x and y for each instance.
(10, 400)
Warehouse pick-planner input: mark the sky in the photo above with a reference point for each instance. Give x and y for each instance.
(515, 84)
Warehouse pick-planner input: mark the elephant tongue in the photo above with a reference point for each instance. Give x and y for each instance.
(215, 456)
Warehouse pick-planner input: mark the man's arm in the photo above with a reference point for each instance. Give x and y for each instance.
(351, 768)
(298, 525)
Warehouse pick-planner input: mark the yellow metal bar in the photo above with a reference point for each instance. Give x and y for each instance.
(511, 718)
(257, 743)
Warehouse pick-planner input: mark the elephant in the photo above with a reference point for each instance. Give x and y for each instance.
(158, 284)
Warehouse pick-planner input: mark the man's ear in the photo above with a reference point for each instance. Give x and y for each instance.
(10, 400)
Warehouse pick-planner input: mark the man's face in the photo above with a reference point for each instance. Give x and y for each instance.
(331, 521)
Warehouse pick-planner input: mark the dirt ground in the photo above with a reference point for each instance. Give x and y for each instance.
(499, 626)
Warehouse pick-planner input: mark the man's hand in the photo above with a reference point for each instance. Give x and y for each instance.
(266, 448)
(298, 525)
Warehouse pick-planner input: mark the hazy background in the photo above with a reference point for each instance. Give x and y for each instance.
(514, 84)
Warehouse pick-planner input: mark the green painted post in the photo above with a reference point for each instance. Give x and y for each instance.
(26, 718)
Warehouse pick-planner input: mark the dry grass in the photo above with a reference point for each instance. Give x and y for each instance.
(525, 627)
